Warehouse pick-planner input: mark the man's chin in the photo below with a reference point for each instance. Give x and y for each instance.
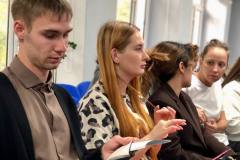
(187, 85)
(52, 67)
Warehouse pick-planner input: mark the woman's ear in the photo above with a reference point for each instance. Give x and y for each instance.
(115, 55)
(19, 29)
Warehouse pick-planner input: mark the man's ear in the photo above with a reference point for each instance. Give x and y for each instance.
(181, 67)
(19, 29)
(115, 55)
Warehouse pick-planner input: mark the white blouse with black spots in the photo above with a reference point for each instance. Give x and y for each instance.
(98, 120)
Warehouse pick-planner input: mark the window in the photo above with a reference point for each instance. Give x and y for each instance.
(132, 11)
(197, 21)
(139, 14)
(124, 10)
(4, 8)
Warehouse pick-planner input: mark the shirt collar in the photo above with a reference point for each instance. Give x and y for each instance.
(27, 77)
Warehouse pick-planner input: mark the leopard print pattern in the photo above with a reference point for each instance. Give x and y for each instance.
(98, 120)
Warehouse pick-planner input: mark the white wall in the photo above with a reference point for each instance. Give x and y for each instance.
(169, 20)
(71, 69)
(97, 13)
(89, 15)
(216, 20)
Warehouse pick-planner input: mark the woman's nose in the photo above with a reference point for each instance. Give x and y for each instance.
(216, 68)
(146, 56)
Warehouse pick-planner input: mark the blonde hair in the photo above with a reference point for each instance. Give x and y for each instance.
(117, 34)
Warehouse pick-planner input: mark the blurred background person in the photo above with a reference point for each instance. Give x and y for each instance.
(231, 103)
(206, 90)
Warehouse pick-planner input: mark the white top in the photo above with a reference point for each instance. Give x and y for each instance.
(231, 92)
(209, 99)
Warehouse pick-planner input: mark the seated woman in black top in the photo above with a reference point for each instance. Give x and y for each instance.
(171, 69)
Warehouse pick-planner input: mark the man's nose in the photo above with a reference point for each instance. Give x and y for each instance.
(61, 45)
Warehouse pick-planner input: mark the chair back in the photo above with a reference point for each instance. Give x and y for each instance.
(83, 88)
(72, 90)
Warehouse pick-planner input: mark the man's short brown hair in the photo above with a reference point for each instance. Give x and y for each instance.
(29, 10)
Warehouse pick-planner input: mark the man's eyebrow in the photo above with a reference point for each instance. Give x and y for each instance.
(140, 45)
(56, 31)
(50, 30)
(70, 30)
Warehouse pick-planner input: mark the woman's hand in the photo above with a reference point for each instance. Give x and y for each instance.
(114, 143)
(165, 127)
(217, 125)
(165, 113)
(212, 126)
(201, 114)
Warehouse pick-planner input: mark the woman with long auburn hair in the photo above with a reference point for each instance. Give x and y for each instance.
(113, 105)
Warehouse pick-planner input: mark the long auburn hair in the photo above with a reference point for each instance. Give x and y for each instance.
(117, 34)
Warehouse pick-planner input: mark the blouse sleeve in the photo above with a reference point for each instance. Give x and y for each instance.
(98, 122)
(232, 108)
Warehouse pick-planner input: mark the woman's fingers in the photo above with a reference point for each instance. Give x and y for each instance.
(164, 113)
(173, 112)
(175, 125)
(170, 126)
(156, 108)
(178, 122)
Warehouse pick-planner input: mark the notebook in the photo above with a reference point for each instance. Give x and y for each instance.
(128, 150)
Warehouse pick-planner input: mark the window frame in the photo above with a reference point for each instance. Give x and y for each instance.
(196, 35)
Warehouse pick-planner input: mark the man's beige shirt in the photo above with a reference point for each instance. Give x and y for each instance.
(49, 126)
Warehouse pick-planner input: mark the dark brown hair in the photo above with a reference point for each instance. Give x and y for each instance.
(212, 44)
(165, 58)
(234, 73)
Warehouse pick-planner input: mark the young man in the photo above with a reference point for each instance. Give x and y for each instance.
(38, 119)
